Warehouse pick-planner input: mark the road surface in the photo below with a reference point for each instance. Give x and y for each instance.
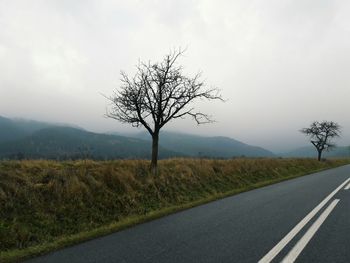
(303, 220)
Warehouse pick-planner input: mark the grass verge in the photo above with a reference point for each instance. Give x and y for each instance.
(127, 192)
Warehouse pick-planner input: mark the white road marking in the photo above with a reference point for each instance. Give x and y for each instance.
(284, 241)
(298, 248)
(347, 187)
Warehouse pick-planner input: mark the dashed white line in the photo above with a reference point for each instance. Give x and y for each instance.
(298, 248)
(347, 187)
(284, 241)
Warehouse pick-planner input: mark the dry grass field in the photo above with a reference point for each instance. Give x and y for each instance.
(59, 203)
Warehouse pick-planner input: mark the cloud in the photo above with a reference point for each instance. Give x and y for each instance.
(280, 64)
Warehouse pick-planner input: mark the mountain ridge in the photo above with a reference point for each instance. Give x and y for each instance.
(21, 138)
(49, 141)
(205, 146)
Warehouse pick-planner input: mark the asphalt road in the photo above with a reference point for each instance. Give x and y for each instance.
(305, 219)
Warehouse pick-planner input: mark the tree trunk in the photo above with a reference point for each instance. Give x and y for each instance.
(155, 140)
(319, 155)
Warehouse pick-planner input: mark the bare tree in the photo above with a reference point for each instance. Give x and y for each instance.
(158, 93)
(321, 134)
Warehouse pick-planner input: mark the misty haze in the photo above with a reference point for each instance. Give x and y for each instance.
(122, 113)
(280, 65)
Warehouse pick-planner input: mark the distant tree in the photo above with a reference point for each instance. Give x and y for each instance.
(156, 94)
(321, 135)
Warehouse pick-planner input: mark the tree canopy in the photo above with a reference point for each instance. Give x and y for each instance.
(158, 93)
(321, 135)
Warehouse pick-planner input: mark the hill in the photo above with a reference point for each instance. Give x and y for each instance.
(213, 147)
(38, 140)
(14, 129)
(9, 130)
(35, 140)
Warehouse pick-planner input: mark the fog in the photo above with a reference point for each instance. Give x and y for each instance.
(280, 64)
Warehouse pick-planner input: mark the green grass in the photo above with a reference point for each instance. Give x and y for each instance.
(45, 205)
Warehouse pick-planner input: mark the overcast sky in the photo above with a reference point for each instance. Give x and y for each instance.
(280, 63)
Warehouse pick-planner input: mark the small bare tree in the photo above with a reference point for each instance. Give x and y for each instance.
(156, 94)
(321, 134)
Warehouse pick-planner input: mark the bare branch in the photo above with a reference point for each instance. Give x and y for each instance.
(158, 93)
(321, 134)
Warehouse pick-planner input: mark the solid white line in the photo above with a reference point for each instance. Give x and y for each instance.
(284, 241)
(298, 248)
(347, 187)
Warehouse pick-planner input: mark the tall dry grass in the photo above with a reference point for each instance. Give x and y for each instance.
(43, 200)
